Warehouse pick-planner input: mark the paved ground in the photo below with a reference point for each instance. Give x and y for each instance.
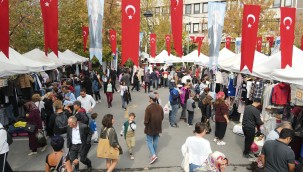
(170, 142)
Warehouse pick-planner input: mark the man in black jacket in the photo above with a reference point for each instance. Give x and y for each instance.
(79, 142)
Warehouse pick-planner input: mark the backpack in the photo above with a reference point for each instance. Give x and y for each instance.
(126, 96)
(82, 117)
(197, 89)
(9, 137)
(61, 121)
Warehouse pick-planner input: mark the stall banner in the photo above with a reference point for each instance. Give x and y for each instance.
(199, 39)
(250, 22)
(227, 42)
(176, 24)
(84, 36)
(259, 44)
(49, 10)
(4, 27)
(277, 46)
(167, 41)
(113, 40)
(216, 13)
(238, 45)
(287, 29)
(130, 30)
(153, 44)
(95, 17)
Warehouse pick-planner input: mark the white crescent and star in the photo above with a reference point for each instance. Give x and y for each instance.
(290, 20)
(130, 7)
(250, 16)
(1, 1)
(153, 40)
(84, 33)
(259, 42)
(47, 4)
(177, 4)
(167, 39)
(113, 37)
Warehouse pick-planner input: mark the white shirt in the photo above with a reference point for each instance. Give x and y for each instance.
(184, 78)
(76, 139)
(122, 89)
(272, 135)
(87, 102)
(4, 147)
(198, 149)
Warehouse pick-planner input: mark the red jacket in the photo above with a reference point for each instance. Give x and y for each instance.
(281, 94)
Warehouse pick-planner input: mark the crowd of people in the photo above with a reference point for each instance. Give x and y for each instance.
(66, 113)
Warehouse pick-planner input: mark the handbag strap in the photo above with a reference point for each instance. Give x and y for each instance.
(107, 133)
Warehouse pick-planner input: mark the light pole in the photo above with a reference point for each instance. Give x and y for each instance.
(188, 39)
(148, 14)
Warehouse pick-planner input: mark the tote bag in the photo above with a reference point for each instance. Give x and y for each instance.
(104, 149)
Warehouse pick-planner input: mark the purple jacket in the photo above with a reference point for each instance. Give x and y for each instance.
(182, 96)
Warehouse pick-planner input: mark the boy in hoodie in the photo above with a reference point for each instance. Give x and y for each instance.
(80, 113)
(190, 106)
(174, 103)
(128, 130)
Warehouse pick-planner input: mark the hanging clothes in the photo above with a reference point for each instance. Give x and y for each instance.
(231, 88)
(281, 94)
(225, 79)
(257, 89)
(296, 94)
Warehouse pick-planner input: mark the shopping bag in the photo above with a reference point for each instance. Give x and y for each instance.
(95, 136)
(166, 109)
(41, 139)
(104, 150)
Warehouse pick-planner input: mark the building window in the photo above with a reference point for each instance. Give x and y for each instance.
(188, 9)
(165, 10)
(277, 4)
(288, 3)
(188, 28)
(196, 8)
(204, 27)
(196, 27)
(157, 10)
(204, 7)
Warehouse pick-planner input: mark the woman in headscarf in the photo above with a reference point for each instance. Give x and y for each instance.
(33, 118)
(221, 118)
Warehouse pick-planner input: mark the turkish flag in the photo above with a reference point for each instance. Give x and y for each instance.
(130, 30)
(85, 36)
(250, 22)
(199, 39)
(302, 42)
(176, 24)
(49, 10)
(270, 40)
(4, 27)
(113, 41)
(167, 41)
(227, 42)
(193, 39)
(153, 44)
(259, 44)
(287, 29)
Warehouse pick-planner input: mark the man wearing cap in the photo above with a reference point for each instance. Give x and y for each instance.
(153, 125)
(251, 120)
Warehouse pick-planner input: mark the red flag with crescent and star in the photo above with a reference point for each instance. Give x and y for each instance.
(113, 40)
(199, 39)
(250, 22)
(287, 29)
(193, 39)
(176, 24)
(270, 40)
(49, 10)
(167, 41)
(153, 44)
(84, 36)
(4, 27)
(302, 42)
(259, 44)
(227, 42)
(130, 30)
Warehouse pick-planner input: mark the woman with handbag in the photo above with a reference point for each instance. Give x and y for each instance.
(206, 111)
(108, 132)
(33, 118)
(58, 160)
(221, 118)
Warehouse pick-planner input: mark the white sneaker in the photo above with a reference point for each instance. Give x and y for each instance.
(99, 101)
(215, 139)
(44, 148)
(221, 143)
(32, 153)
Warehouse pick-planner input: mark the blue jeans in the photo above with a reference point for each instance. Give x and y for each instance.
(77, 91)
(152, 143)
(173, 114)
(123, 102)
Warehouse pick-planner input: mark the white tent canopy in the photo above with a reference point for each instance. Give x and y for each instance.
(8, 68)
(38, 55)
(61, 60)
(75, 57)
(290, 74)
(164, 58)
(193, 57)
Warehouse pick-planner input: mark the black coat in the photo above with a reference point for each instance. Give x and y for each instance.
(105, 87)
(88, 85)
(85, 135)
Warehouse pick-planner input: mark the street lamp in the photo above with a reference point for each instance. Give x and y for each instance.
(148, 14)
(188, 39)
